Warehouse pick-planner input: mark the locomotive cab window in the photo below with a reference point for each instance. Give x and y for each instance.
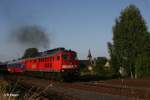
(74, 56)
(64, 57)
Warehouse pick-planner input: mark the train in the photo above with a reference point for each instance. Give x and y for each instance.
(58, 63)
(3, 68)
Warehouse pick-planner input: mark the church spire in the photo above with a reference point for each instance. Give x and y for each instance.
(90, 61)
(89, 55)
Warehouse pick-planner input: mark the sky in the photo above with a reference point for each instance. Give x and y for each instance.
(79, 25)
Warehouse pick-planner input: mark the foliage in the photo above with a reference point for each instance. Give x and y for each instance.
(143, 67)
(129, 34)
(30, 52)
(5, 88)
(113, 62)
(143, 60)
(99, 65)
(82, 66)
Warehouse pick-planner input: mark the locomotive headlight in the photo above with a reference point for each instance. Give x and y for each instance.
(62, 70)
(69, 66)
(75, 66)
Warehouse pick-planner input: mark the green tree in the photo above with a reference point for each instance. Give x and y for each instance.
(99, 65)
(113, 60)
(143, 60)
(129, 33)
(30, 52)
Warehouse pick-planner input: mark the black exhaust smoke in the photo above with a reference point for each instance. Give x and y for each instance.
(31, 36)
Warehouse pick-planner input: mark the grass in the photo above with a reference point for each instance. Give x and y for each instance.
(7, 89)
(3, 90)
(28, 92)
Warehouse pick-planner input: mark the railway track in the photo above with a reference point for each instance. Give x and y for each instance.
(100, 87)
(105, 88)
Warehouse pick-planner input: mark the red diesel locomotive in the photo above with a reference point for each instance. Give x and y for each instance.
(56, 62)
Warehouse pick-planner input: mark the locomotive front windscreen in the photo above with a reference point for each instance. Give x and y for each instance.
(65, 57)
(69, 56)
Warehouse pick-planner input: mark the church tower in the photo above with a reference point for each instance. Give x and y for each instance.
(89, 60)
(89, 57)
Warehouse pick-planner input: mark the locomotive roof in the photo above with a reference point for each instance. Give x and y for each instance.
(50, 53)
(44, 54)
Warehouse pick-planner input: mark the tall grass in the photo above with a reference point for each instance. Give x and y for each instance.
(8, 90)
(3, 89)
(25, 93)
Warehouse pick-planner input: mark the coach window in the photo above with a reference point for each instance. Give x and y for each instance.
(51, 59)
(35, 60)
(50, 65)
(58, 57)
(45, 59)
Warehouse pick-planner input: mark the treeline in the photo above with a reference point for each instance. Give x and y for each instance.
(130, 48)
(100, 66)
